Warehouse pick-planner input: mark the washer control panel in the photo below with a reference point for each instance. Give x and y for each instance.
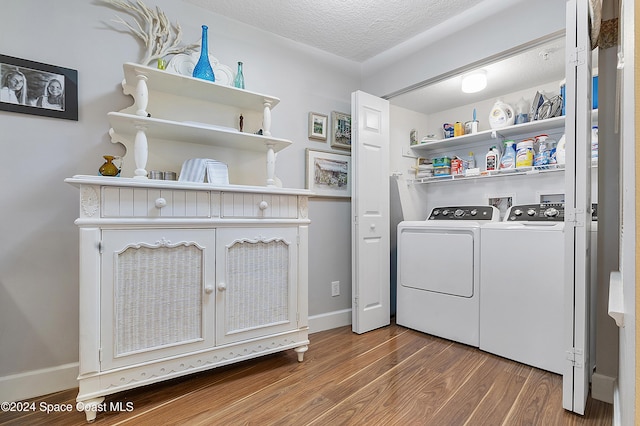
(547, 212)
(464, 213)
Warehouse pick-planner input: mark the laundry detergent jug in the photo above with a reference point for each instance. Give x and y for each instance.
(501, 115)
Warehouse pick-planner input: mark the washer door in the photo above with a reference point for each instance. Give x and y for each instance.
(437, 260)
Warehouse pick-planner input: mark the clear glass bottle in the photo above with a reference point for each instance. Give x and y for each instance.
(203, 68)
(239, 80)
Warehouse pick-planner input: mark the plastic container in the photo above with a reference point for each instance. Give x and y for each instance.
(501, 115)
(524, 153)
(522, 112)
(471, 161)
(543, 156)
(560, 151)
(492, 159)
(442, 166)
(509, 158)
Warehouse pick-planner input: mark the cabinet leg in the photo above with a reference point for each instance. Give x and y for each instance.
(91, 408)
(301, 350)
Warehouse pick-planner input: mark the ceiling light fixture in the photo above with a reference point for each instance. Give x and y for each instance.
(474, 82)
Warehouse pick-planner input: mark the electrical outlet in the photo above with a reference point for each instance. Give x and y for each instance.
(335, 288)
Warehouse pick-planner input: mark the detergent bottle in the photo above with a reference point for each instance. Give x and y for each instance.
(509, 158)
(543, 156)
(492, 159)
(560, 151)
(501, 115)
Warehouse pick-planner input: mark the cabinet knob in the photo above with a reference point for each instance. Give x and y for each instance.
(372, 226)
(208, 289)
(222, 286)
(160, 202)
(263, 205)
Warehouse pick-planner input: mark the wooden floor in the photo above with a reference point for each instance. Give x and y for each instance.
(390, 376)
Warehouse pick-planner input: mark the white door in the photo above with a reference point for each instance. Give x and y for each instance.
(577, 207)
(370, 212)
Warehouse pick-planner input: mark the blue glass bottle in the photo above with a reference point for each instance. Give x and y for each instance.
(239, 80)
(203, 68)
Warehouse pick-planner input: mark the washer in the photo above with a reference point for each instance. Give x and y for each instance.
(522, 286)
(438, 275)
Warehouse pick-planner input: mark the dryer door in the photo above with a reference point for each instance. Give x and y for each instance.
(437, 259)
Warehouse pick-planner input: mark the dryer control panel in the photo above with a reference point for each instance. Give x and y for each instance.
(547, 212)
(477, 213)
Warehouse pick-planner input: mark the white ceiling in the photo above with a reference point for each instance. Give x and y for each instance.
(353, 29)
(361, 29)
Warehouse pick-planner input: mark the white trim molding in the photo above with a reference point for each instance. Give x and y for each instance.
(35, 383)
(329, 320)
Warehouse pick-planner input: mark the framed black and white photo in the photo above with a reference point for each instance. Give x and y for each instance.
(317, 126)
(341, 130)
(30, 87)
(328, 173)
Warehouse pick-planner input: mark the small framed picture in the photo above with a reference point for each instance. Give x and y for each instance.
(318, 126)
(40, 89)
(328, 173)
(341, 130)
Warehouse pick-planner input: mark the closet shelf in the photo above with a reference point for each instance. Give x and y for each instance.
(540, 126)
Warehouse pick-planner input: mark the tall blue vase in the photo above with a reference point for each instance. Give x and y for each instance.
(203, 68)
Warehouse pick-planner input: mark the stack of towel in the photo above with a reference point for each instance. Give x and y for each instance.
(197, 169)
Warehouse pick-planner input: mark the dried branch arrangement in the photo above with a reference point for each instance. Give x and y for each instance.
(154, 29)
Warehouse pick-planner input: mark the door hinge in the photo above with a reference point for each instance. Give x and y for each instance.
(575, 357)
(577, 56)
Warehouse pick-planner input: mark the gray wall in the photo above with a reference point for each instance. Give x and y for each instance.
(39, 250)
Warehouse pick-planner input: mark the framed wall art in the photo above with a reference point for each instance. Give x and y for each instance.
(40, 89)
(341, 130)
(318, 126)
(328, 173)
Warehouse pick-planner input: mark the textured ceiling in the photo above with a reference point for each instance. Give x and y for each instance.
(353, 29)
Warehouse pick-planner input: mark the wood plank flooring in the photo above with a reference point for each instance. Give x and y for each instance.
(390, 376)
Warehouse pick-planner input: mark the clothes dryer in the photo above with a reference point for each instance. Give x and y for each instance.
(438, 272)
(522, 286)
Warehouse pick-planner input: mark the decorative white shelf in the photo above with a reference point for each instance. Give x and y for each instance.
(125, 126)
(149, 88)
(193, 88)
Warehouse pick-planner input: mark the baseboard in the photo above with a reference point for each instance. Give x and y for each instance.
(31, 384)
(329, 320)
(602, 387)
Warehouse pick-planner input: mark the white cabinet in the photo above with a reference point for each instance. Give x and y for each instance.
(182, 109)
(179, 277)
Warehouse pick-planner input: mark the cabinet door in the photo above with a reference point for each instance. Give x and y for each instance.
(156, 296)
(256, 276)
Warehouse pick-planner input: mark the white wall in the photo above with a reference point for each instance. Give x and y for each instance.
(503, 24)
(39, 250)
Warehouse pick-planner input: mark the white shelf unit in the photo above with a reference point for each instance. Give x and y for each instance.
(162, 100)
(549, 124)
